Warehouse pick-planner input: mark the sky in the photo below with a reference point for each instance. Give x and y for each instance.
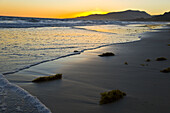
(74, 8)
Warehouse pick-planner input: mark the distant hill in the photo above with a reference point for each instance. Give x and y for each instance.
(164, 17)
(124, 15)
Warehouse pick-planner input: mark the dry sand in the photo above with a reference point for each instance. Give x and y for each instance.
(86, 75)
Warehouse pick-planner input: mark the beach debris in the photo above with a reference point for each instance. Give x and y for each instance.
(144, 64)
(126, 63)
(48, 78)
(167, 70)
(161, 59)
(76, 51)
(107, 54)
(111, 96)
(148, 60)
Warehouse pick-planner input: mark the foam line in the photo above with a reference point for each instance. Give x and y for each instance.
(75, 53)
(5, 84)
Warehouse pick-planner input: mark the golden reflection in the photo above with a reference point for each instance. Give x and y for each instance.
(24, 46)
(121, 30)
(154, 26)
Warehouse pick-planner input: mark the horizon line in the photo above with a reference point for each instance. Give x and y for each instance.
(79, 16)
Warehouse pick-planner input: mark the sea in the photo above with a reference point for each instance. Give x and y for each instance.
(27, 42)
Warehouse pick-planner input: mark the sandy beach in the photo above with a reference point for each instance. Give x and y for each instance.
(86, 75)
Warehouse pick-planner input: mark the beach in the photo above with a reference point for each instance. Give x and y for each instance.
(14, 99)
(86, 75)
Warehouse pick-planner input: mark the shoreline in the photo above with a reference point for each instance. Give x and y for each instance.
(15, 99)
(64, 56)
(87, 75)
(68, 55)
(67, 51)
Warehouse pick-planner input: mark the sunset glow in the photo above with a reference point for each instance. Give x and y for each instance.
(76, 8)
(90, 13)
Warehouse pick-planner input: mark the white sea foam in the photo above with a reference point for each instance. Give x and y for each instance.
(5, 84)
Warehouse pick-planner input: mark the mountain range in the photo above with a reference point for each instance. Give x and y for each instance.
(128, 15)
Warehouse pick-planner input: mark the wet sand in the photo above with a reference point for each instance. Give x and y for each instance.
(86, 75)
(14, 99)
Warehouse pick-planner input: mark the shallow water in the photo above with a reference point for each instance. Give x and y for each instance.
(20, 47)
(118, 29)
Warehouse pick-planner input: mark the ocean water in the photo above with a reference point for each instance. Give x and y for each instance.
(26, 42)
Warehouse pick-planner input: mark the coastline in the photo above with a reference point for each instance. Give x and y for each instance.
(87, 75)
(16, 100)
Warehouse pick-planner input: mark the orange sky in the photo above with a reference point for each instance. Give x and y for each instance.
(72, 8)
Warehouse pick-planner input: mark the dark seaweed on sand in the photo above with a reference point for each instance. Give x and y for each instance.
(167, 70)
(107, 54)
(148, 60)
(76, 51)
(111, 96)
(126, 63)
(48, 78)
(161, 59)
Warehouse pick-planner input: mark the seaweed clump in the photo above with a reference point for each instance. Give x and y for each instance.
(126, 63)
(167, 70)
(48, 78)
(107, 54)
(161, 59)
(148, 60)
(76, 51)
(111, 96)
